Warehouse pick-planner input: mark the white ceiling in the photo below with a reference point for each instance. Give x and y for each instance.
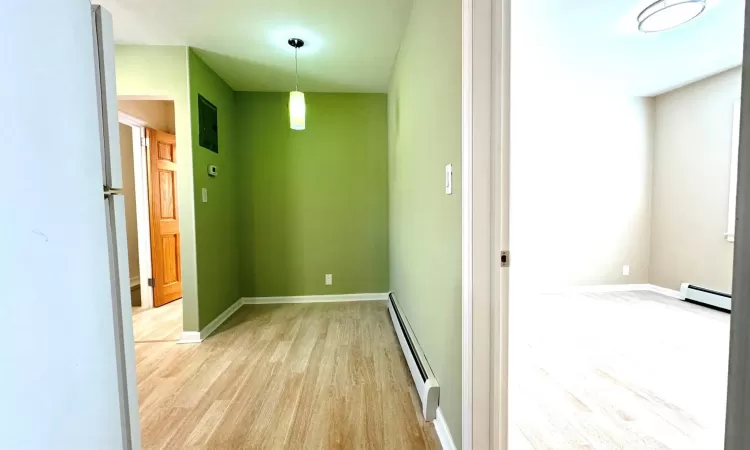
(596, 42)
(350, 45)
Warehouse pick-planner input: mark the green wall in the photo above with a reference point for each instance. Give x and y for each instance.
(216, 220)
(161, 72)
(315, 201)
(424, 113)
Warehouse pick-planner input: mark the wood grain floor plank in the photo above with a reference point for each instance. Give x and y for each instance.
(633, 370)
(315, 376)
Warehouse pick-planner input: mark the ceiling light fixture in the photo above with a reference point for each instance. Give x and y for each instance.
(666, 14)
(296, 98)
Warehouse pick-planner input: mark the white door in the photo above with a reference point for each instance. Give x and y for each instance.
(58, 376)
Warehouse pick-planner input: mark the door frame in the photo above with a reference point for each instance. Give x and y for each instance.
(143, 215)
(485, 155)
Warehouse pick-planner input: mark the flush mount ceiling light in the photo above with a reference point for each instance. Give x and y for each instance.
(666, 14)
(296, 98)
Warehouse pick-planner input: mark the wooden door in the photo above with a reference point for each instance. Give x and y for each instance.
(165, 223)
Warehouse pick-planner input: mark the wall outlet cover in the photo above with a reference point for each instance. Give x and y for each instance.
(626, 270)
(329, 279)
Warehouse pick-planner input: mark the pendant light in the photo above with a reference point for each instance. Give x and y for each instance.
(296, 98)
(666, 14)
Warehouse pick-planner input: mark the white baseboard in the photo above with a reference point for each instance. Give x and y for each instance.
(617, 288)
(194, 337)
(190, 337)
(443, 433)
(665, 291)
(315, 299)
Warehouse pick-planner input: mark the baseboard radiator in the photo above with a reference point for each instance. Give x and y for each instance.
(424, 379)
(698, 294)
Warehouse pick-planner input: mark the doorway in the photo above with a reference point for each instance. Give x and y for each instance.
(149, 154)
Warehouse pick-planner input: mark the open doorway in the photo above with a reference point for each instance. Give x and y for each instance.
(149, 154)
(623, 186)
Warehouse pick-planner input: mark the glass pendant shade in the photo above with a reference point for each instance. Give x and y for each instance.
(297, 110)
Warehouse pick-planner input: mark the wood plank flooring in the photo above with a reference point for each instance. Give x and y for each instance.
(624, 370)
(158, 324)
(305, 376)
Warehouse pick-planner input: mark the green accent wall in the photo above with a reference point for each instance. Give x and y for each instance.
(313, 202)
(424, 112)
(216, 220)
(161, 73)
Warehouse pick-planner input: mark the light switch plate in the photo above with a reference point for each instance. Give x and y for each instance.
(329, 279)
(626, 270)
(204, 195)
(449, 179)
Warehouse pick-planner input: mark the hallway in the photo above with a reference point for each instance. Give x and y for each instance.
(327, 376)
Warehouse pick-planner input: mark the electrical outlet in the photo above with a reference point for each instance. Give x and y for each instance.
(204, 195)
(329, 279)
(626, 270)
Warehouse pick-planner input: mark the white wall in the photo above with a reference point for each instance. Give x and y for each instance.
(691, 184)
(580, 185)
(128, 188)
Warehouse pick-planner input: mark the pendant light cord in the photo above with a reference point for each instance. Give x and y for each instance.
(296, 71)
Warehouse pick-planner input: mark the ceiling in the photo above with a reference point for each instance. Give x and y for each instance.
(596, 42)
(350, 45)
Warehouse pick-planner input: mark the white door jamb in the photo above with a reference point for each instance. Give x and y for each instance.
(140, 169)
(485, 219)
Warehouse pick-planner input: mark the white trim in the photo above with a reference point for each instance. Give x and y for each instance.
(143, 215)
(131, 121)
(145, 97)
(485, 154)
(190, 337)
(221, 318)
(601, 288)
(140, 177)
(194, 337)
(442, 431)
(500, 223)
(596, 288)
(665, 291)
(732, 197)
(315, 299)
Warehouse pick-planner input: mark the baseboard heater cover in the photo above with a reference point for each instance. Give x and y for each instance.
(424, 379)
(706, 296)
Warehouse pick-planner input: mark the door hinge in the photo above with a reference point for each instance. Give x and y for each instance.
(505, 258)
(151, 282)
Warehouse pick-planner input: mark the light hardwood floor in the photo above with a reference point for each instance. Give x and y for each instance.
(158, 324)
(306, 376)
(625, 370)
